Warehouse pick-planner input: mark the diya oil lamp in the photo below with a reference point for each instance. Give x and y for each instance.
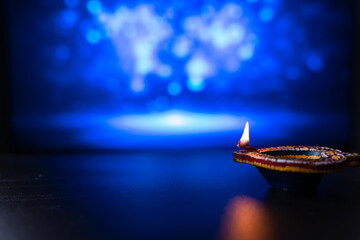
(295, 168)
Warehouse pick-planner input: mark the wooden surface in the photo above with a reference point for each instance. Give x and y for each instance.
(166, 195)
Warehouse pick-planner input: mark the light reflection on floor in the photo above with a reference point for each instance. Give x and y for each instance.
(245, 218)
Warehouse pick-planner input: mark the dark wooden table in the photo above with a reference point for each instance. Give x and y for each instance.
(166, 195)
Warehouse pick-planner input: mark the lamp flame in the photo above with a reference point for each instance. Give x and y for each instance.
(245, 136)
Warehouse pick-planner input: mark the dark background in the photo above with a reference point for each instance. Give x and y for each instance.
(5, 135)
(356, 83)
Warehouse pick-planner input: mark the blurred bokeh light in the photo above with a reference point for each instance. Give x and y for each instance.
(124, 74)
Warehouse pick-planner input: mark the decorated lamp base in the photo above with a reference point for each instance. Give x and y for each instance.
(296, 168)
(301, 182)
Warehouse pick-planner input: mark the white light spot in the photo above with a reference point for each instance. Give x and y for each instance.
(236, 33)
(164, 71)
(197, 67)
(176, 120)
(232, 10)
(195, 84)
(182, 46)
(246, 52)
(137, 84)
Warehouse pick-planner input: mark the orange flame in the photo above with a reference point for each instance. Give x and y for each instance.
(245, 136)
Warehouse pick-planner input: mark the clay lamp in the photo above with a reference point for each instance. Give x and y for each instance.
(295, 168)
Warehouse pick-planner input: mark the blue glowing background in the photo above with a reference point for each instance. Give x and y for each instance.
(114, 74)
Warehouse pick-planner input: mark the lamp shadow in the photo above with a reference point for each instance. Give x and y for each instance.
(276, 196)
